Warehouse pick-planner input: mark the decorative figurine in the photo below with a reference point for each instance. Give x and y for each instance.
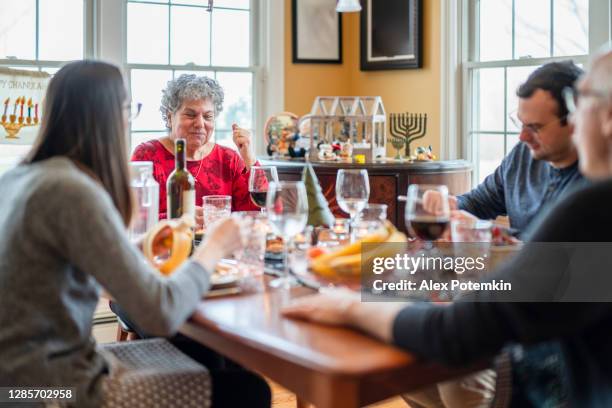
(281, 134)
(326, 152)
(346, 151)
(424, 154)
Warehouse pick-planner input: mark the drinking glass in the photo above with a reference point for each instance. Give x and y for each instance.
(259, 180)
(352, 193)
(216, 207)
(298, 252)
(287, 207)
(372, 218)
(427, 222)
(250, 258)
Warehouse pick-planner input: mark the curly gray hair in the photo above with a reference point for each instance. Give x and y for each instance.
(189, 86)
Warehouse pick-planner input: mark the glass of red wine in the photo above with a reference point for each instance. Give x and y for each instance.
(259, 180)
(427, 212)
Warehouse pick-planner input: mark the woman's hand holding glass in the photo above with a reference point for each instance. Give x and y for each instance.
(222, 238)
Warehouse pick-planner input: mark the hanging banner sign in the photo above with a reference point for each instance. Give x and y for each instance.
(21, 95)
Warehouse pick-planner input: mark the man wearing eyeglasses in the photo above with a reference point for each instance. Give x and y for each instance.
(540, 168)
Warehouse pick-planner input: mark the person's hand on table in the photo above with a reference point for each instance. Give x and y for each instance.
(455, 215)
(342, 307)
(222, 239)
(432, 201)
(242, 139)
(330, 306)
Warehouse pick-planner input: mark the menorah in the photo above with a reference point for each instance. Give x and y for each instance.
(405, 128)
(16, 123)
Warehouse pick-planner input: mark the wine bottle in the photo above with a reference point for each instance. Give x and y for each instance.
(180, 186)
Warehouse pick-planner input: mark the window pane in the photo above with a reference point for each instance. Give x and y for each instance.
(231, 38)
(241, 4)
(489, 88)
(490, 154)
(512, 139)
(224, 138)
(238, 102)
(61, 30)
(140, 137)
(516, 77)
(190, 35)
(147, 33)
(18, 29)
(532, 28)
(147, 86)
(191, 2)
(495, 30)
(571, 34)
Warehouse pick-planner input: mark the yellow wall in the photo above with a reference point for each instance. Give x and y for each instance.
(401, 90)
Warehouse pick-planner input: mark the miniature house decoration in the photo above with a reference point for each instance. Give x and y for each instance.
(359, 121)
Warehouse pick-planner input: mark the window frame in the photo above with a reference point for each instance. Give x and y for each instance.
(258, 51)
(459, 34)
(88, 42)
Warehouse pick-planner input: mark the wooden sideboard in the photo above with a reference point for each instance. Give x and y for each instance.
(387, 180)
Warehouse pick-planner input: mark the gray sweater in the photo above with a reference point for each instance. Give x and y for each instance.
(62, 240)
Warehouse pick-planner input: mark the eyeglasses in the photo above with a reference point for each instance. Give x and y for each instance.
(133, 110)
(571, 97)
(532, 128)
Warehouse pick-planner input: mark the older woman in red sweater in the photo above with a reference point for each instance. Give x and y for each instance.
(189, 107)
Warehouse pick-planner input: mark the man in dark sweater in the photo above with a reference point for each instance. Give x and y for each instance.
(542, 167)
(466, 331)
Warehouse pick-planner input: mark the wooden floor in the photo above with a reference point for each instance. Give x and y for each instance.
(281, 398)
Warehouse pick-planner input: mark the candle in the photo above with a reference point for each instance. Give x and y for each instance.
(15, 106)
(29, 108)
(36, 113)
(21, 109)
(6, 102)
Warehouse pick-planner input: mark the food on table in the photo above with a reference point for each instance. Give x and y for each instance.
(169, 243)
(346, 260)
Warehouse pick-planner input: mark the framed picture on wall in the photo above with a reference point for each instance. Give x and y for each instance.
(317, 32)
(391, 34)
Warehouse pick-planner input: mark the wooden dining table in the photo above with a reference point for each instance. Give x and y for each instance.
(329, 367)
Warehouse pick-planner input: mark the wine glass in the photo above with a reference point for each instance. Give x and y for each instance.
(287, 207)
(427, 219)
(259, 180)
(352, 193)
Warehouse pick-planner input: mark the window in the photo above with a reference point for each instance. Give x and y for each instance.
(509, 39)
(40, 35)
(168, 38)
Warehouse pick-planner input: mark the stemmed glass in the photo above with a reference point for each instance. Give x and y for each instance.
(259, 180)
(287, 206)
(352, 193)
(427, 219)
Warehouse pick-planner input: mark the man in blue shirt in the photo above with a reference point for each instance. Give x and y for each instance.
(543, 166)
(537, 172)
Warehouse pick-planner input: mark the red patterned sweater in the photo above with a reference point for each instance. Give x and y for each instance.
(221, 172)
